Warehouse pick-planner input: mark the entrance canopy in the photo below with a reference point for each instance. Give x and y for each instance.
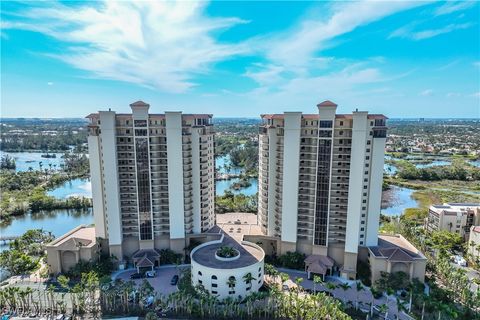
(318, 264)
(146, 258)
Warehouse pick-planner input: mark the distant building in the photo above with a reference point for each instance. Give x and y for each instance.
(320, 182)
(453, 217)
(66, 251)
(152, 179)
(394, 253)
(473, 244)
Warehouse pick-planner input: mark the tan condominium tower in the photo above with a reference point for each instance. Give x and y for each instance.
(320, 181)
(152, 178)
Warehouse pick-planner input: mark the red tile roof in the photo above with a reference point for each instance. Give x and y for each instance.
(326, 103)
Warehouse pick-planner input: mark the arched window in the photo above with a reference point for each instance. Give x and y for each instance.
(214, 277)
(199, 273)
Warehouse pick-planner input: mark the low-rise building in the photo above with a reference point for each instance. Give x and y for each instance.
(66, 251)
(223, 277)
(393, 254)
(474, 242)
(453, 217)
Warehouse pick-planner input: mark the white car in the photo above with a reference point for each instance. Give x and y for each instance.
(151, 274)
(460, 261)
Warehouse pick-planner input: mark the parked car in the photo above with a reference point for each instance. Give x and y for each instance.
(148, 301)
(459, 260)
(174, 280)
(60, 317)
(150, 274)
(137, 276)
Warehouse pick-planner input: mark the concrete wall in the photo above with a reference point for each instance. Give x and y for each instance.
(222, 289)
(110, 177)
(291, 159)
(272, 179)
(175, 174)
(197, 222)
(375, 191)
(355, 189)
(97, 186)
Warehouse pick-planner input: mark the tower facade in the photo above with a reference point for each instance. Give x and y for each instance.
(152, 178)
(320, 181)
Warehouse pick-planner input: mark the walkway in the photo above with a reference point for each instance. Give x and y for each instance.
(364, 296)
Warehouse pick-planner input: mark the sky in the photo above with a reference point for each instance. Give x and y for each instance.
(241, 59)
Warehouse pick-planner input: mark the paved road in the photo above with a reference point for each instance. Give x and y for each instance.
(363, 296)
(161, 282)
(471, 274)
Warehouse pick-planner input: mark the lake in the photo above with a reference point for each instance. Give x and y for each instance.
(222, 185)
(25, 160)
(396, 200)
(75, 187)
(56, 221)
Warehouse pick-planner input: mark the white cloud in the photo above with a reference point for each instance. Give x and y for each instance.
(426, 93)
(155, 44)
(50, 83)
(296, 47)
(425, 34)
(453, 6)
(448, 65)
(453, 95)
(408, 32)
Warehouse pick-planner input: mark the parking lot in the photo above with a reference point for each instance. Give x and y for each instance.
(161, 281)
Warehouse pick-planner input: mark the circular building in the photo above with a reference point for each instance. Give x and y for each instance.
(227, 268)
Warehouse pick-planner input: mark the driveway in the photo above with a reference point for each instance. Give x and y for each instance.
(161, 282)
(471, 274)
(364, 296)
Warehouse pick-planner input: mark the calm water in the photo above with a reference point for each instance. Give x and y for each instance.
(76, 187)
(223, 165)
(475, 163)
(396, 200)
(223, 185)
(434, 163)
(26, 160)
(56, 221)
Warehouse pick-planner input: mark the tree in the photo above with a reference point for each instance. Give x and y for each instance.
(359, 288)
(316, 280)
(345, 286)
(248, 278)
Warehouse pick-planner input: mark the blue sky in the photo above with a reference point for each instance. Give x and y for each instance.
(403, 59)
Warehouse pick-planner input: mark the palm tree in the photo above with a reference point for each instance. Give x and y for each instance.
(345, 287)
(359, 288)
(231, 282)
(331, 286)
(316, 280)
(284, 277)
(248, 279)
(383, 308)
(227, 252)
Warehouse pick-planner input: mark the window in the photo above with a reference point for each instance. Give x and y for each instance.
(214, 277)
(325, 124)
(369, 142)
(214, 292)
(200, 281)
(214, 285)
(341, 123)
(199, 273)
(362, 229)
